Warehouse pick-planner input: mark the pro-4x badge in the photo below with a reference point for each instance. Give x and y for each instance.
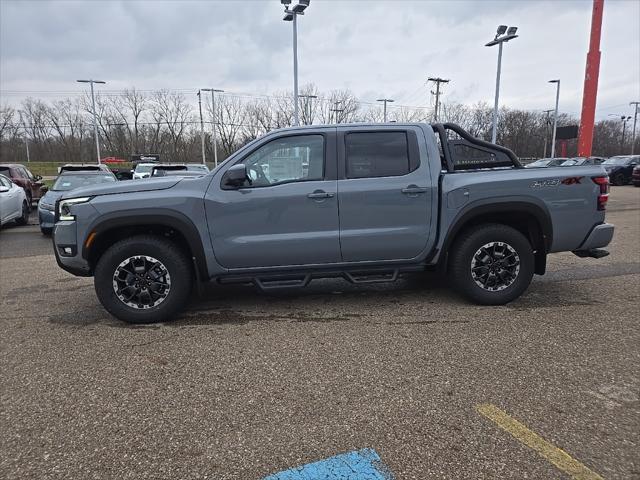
(554, 182)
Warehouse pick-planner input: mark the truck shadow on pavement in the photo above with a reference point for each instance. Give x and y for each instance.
(336, 300)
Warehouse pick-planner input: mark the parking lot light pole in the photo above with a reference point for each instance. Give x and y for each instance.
(291, 15)
(500, 38)
(95, 116)
(555, 118)
(214, 116)
(26, 137)
(204, 158)
(385, 101)
(635, 120)
(308, 107)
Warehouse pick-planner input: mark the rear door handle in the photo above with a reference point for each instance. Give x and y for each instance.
(413, 190)
(319, 194)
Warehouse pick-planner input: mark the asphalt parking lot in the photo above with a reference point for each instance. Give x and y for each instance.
(246, 384)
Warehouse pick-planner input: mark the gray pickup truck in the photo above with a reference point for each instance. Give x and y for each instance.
(366, 202)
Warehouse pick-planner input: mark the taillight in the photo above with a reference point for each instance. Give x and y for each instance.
(603, 196)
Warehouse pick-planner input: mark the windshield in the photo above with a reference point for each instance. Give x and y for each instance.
(617, 161)
(540, 163)
(70, 182)
(569, 163)
(143, 168)
(198, 168)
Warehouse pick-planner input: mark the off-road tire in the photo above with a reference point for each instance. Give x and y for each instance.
(176, 262)
(466, 247)
(24, 219)
(46, 231)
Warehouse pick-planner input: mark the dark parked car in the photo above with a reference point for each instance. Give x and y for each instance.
(620, 168)
(546, 162)
(635, 176)
(21, 176)
(582, 161)
(66, 181)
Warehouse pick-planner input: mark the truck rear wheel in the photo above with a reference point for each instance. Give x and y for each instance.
(143, 279)
(491, 264)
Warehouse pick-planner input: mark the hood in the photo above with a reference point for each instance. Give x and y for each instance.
(51, 197)
(123, 186)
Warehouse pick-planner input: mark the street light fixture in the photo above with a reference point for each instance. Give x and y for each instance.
(213, 114)
(291, 15)
(499, 39)
(95, 116)
(385, 101)
(555, 118)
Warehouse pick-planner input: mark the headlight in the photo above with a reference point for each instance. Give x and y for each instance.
(64, 210)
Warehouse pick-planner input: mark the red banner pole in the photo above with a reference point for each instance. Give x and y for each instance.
(587, 118)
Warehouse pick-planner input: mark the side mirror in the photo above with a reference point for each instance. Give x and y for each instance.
(235, 176)
(3, 189)
(38, 178)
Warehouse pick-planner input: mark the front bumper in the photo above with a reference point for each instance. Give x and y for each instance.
(600, 236)
(46, 218)
(68, 252)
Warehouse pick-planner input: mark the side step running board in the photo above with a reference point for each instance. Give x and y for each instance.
(371, 277)
(273, 283)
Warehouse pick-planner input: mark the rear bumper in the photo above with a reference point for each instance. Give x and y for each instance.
(600, 236)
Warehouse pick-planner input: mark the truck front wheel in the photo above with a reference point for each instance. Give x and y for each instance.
(143, 279)
(491, 264)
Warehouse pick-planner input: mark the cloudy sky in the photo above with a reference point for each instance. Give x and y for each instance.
(373, 47)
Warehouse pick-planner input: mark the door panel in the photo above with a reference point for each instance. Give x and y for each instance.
(289, 215)
(383, 217)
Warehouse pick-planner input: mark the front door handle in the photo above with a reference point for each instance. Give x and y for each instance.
(320, 194)
(414, 189)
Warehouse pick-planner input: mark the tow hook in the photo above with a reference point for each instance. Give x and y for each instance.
(593, 253)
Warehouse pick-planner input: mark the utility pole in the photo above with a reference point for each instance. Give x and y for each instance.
(204, 159)
(590, 92)
(307, 107)
(546, 132)
(213, 115)
(635, 119)
(437, 81)
(555, 118)
(385, 101)
(337, 110)
(26, 138)
(95, 116)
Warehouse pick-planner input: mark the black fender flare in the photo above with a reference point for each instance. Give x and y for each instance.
(516, 204)
(153, 216)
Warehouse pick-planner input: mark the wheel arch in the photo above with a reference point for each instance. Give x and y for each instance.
(530, 219)
(115, 226)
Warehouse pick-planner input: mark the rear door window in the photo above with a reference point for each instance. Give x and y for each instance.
(377, 154)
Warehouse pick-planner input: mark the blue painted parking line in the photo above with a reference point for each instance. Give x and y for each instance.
(362, 464)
